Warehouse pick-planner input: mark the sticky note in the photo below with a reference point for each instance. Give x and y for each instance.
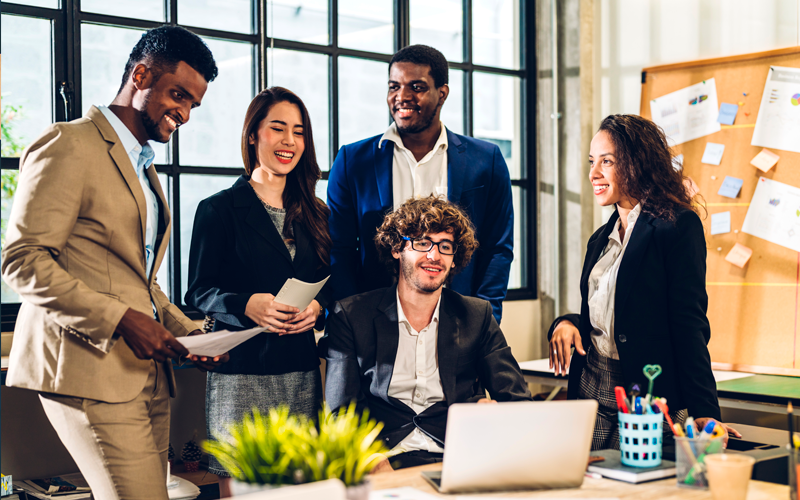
(730, 187)
(765, 160)
(727, 113)
(713, 153)
(739, 255)
(677, 162)
(721, 223)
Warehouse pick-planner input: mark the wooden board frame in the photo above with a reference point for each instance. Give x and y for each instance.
(754, 312)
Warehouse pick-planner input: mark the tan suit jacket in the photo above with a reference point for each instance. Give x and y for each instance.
(75, 253)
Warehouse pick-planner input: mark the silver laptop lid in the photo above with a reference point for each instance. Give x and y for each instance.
(519, 445)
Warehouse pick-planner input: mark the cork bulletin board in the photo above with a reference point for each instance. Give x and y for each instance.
(754, 311)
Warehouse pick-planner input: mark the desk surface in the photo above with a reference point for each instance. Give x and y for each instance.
(592, 488)
(774, 389)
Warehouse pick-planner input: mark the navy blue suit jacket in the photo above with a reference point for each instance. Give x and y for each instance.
(360, 195)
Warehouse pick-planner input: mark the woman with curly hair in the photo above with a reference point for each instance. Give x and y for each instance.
(643, 287)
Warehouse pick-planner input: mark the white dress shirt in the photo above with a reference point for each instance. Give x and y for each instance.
(141, 158)
(415, 379)
(603, 286)
(412, 178)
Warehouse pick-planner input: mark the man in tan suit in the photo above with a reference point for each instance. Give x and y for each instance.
(89, 227)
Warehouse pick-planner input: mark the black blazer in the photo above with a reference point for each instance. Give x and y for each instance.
(237, 252)
(660, 311)
(361, 340)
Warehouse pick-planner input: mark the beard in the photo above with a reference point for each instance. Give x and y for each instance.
(426, 123)
(150, 126)
(409, 270)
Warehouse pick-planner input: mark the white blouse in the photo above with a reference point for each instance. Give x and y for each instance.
(603, 286)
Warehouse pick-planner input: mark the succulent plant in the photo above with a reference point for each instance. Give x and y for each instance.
(280, 448)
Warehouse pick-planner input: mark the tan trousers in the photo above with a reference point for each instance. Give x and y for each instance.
(120, 448)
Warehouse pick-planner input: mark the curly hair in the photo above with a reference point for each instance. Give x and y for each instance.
(164, 47)
(419, 217)
(644, 167)
(422, 54)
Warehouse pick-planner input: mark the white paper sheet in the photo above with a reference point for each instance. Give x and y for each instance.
(404, 493)
(778, 122)
(298, 293)
(774, 214)
(688, 113)
(217, 343)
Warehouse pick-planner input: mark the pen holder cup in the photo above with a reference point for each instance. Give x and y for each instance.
(794, 463)
(689, 460)
(640, 439)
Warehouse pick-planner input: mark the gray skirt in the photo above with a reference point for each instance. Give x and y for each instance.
(230, 397)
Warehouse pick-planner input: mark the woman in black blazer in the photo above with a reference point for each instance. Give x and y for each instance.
(643, 288)
(247, 241)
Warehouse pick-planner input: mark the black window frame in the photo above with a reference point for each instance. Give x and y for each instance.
(66, 66)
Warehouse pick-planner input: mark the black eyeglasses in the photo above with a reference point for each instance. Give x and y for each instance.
(446, 247)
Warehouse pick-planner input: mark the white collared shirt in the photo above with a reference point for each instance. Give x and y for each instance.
(412, 178)
(603, 287)
(415, 378)
(141, 159)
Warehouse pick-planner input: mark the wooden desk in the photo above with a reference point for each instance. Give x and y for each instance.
(592, 488)
(742, 391)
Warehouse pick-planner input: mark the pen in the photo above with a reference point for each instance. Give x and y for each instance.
(708, 430)
(638, 406)
(622, 404)
(790, 415)
(690, 427)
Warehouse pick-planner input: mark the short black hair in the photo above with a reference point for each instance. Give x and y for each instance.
(164, 47)
(422, 54)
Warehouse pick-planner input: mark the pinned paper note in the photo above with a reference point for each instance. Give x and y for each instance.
(721, 223)
(739, 255)
(713, 153)
(727, 113)
(765, 160)
(677, 163)
(730, 187)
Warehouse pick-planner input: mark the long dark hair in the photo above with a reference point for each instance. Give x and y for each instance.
(644, 167)
(299, 197)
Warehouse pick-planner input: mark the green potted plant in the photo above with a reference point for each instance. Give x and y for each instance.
(276, 449)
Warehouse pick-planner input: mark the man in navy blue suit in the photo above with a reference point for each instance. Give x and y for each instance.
(417, 156)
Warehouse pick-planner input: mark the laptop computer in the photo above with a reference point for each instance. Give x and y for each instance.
(515, 446)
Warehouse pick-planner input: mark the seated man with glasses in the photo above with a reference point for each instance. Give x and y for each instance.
(409, 351)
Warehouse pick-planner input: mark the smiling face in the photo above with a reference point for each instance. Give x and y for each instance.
(164, 103)
(603, 173)
(414, 101)
(279, 139)
(425, 271)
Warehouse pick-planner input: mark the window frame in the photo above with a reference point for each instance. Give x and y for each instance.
(67, 59)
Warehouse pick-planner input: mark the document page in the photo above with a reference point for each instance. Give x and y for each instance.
(688, 113)
(217, 343)
(778, 122)
(774, 214)
(298, 293)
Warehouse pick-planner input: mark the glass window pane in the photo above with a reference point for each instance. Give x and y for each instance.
(104, 53)
(300, 20)
(497, 115)
(495, 33)
(194, 189)
(453, 109)
(9, 182)
(212, 138)
(227, 15)
(50, 4)
(363, 111)
(367, 25)
(516, 280)
(152, 10)
(306, 75)
(322, 190)
(440, 25)
(27, 100)
(162, 275)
